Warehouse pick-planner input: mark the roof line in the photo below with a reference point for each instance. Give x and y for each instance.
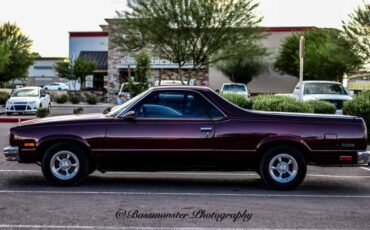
(88, 34)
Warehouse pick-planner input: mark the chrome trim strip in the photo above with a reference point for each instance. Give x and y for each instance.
(152, 150)
(363, 157)
(11, 153)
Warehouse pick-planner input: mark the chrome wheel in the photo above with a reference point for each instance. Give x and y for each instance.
(64, 165)
(283, 168)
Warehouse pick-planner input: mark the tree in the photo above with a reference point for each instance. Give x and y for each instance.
(16, 46)
(142, 73)
(75, 70)
(4, 56)
(328, 56)
(192, 31)
(357, 30)
(143, 64)
(245, 66)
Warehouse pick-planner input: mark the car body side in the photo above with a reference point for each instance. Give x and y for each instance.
(234, 142)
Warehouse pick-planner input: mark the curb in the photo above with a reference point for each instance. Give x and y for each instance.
(13, 119)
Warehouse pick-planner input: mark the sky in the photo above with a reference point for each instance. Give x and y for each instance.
(47, 22)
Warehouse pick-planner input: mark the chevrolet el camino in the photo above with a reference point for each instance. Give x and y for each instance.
(188, 128)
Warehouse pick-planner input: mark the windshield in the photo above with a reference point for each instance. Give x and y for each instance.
(234, 88)
(26, 93)
(122, 108)
(324, 88)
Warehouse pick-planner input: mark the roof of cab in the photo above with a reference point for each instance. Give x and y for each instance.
(199, 88)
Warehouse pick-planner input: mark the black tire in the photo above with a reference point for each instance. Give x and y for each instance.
(286, 175)
(9, 113)
(46, 88)
(91, 169)
(49, 108)
(57, 150)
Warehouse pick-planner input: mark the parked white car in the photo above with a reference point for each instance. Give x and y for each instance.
(237, 88)
(56, 86)
(27, 100)
(330, 91)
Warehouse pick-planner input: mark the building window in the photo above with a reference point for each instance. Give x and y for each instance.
(43, 67)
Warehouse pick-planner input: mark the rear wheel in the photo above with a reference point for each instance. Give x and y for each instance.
(283, 168)
(9, 113)
(64, 164)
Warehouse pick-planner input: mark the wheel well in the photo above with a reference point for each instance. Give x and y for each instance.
(301, 147)
(47, 144)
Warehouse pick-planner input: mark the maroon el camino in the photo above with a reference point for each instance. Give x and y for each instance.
(188, 128)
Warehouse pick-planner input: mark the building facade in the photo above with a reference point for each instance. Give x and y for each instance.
(120, 65)
(43, 72)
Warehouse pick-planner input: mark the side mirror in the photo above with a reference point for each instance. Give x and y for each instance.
(130, 115)
(217, 91)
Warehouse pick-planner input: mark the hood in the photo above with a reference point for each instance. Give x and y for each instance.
(65, 119)
(311, 97)
(22, 99)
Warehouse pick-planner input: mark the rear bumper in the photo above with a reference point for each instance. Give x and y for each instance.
(11, 153)
(363, 157)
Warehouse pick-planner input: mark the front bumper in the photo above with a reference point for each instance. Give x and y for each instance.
(24, 107)
(11, 153)
(363, 157)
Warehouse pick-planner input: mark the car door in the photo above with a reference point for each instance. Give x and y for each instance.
(172, 129)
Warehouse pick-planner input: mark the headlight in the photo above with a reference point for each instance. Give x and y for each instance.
(32, 102)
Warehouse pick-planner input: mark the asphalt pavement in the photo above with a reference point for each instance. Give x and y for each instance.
(329, 198)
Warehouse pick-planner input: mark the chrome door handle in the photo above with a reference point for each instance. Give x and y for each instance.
(206, 129)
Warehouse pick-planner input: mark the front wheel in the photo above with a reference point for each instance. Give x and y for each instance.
(64, 164)
(283, 168)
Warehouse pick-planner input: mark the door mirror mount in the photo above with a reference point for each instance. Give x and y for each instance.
(130, 115)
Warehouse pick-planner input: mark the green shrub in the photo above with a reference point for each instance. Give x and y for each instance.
(74, 99)
(3, 98)
(280, 104)
(91, 100)
(136, 88)
(322, 107)
(107, 110)
(42, 112)
(78, 110)
(359, 106)
(238, 99)
(62, 99)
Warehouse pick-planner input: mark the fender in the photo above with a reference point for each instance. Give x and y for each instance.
(282, 138)
(65, 137)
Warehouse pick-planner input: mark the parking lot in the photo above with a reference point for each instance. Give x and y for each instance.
(334, 198)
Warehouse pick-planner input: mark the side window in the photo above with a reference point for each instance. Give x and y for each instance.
(172, 104)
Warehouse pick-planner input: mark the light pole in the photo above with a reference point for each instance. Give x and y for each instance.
(301, 57)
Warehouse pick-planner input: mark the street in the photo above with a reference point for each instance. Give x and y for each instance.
(334, 198)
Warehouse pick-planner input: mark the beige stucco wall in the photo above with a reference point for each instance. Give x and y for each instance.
(269, 80)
